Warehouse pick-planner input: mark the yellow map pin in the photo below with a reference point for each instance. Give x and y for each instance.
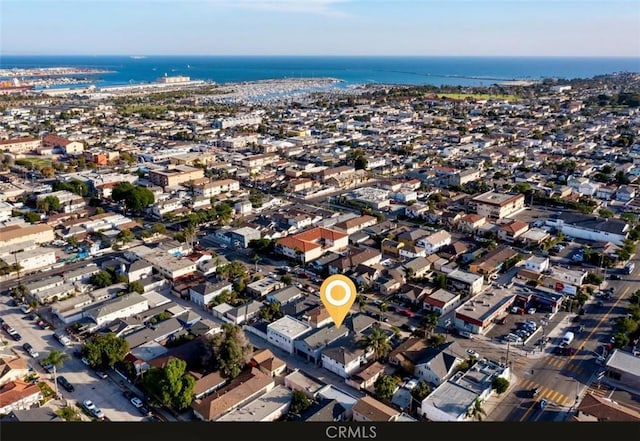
(338, 293)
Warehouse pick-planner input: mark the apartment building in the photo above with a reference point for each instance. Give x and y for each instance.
(175, 175)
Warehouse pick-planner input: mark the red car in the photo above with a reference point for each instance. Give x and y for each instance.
(407, 313)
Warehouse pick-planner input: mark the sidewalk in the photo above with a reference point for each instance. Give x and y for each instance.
(494, 401)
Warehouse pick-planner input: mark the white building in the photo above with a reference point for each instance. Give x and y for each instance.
(537, 264)
(434, 242)
(591, 227)
(283, 332)
(215, 188)
(30, 260)
(120, 307)
(166, 264)
(69, 202)
(493, 205)
(204, 293)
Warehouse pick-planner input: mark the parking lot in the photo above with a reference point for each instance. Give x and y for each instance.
(105, 393)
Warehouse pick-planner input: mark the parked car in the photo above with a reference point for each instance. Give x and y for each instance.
(16, 336)
(534, 392)
(136, 402)
(93, 409)
(615, 277)
(27, 347)
(531, 311)
(65, 384)
(26, 309)
(473, 353)
(542, 403)
(102, 374)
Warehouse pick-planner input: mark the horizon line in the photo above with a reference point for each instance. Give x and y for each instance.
(317, 55)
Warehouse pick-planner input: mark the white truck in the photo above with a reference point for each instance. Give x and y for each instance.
(567, 338)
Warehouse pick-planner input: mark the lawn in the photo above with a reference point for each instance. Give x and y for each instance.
(36, 161)
(478, 96)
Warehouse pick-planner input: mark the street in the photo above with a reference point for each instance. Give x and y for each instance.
(105, 393)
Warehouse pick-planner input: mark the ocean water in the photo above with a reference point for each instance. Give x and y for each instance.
(463, 71)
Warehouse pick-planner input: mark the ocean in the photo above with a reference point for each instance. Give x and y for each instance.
(437, 71)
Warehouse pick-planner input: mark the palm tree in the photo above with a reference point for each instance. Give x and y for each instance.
(361, 302)
(429, 322)
(383, 308)
(55, 359)
(256, 259)
(476, 411)
(378, 342)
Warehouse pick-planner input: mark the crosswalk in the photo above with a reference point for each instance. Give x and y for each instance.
(550, 395)
(561, 363)
(603, 390)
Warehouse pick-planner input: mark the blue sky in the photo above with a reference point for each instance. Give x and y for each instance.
(321, 27)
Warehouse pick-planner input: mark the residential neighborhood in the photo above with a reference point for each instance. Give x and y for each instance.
(162, 252)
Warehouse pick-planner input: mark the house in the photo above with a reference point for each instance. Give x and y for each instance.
(417, 267)
(267, 363)
(136, 270)
(311, 244)
(439, 363)
(285, 295)
(262, 287)
(537, 264)
(412, 251)
(35, 414)
(594, 408)
(471, 222)
(63, 144)
(355, 256)
(120, 307)
(407, 354)
(270, 406)
(12, 368)
(465, 282)
(204, 293)
(344, 357)
(624, 367)
(205, 384)
(494, 205)
(412, 237)
(510, 231)
(356, 224)
(368, 409)
(283, 332)
(434, 242)
(625, 193)
(18, 395)
(391, 247)
(243, 313)
(247, 386)
(441, 301)
(452, 399)
(326, 411)
(412, 293)
(591, 227)
(311, 345)
(493, 261)
(367, 376)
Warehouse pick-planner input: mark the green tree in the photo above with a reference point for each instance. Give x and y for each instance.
(627, 325)
(273, 311)
(31, 217)
(383, 308)
(286, 279)
(231, 350)
(436, 339)
(135, 198)
(500, 385)
(476, 411)
(72, 241)
(126, 236)
(429, 322)
(101, 279)
(377, 342)
(635, 298)
(171, 385)
(69, 414)
(385, 386)
(361, 163)
(440, 280)
(620, 340)
(56, 359)
(299, 402)
(158, 228)
(421, 391)
(606, 213)
(593, 279)
(105, 350)
(135, 286)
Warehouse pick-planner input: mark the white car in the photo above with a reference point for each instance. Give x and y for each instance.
(531, 310)
(473, 353)
(137, 402)
(93, 409)
(85, 361)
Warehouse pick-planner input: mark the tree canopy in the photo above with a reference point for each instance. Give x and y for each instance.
(135, 198)
(171, 385)
(105, 350)
(230, 350)
(385, 386)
